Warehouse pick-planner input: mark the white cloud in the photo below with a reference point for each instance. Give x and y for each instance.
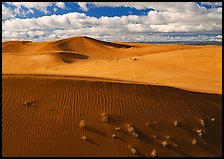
(41, 6)
(60, 4)
(166, 18)
(161, 6)
(83, 5)
(6, 13)
(212, 4)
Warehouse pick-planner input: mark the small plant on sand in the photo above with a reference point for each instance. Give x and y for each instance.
(175, 145)
(29, 103)
(175, 123)
(167, 137)
(154, 153)
(200, 132)
(84, 138)
(117, 128)
(82, 124)
(133, 150)
(105, 117)
(114, 136)
(134, 59)
(212, 119)
(130, 128)
(202, 122)
(194, 141)
(164, 143)
(135, 134)
(132, 131)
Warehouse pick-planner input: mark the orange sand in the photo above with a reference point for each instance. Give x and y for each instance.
(197, 68)
(42, 108)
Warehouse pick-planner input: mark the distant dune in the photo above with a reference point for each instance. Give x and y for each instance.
(84, 97)
(197, 68)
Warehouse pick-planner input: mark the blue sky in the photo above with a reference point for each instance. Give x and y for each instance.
(93, 11)
(113, 21)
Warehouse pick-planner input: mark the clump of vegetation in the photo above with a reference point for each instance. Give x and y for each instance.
(175, 145)
(82, 124)
(105, 117)
(167, 137)
(154, 153)
(114, 136)
(200, 132)
(133, 59)
(117, 128)
(194, 141)
(164, 143)
(84, 138)
(132, 131)
(202, 122)
(175, 123)
(135, 134)
(154, 136)
(133, 150)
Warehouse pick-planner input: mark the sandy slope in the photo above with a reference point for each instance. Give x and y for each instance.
(41, 113)
(49, 125)
(197, 68)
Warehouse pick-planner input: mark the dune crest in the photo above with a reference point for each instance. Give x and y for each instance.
(197, 68)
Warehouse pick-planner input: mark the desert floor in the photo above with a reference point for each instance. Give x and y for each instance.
(129, 95)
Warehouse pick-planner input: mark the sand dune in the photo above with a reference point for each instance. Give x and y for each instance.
(84, 97)
(197, 68)
(85, 45)
(41, 117)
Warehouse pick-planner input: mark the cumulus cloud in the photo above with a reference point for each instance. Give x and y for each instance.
(160, 6)
(7, 13)
(212, 4)
(162, 23)
(83, 5)
(41, 6)
(60, 4)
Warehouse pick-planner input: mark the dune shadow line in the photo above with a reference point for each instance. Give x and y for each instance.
(94, 130)
(69, 57)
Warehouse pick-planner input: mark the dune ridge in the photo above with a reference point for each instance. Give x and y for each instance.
(197, 68)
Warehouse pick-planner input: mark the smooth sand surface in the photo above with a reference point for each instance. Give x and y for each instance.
(196, 68)
(49, 87)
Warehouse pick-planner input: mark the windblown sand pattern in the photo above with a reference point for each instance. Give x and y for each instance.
(41, 117)
(84, 97)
